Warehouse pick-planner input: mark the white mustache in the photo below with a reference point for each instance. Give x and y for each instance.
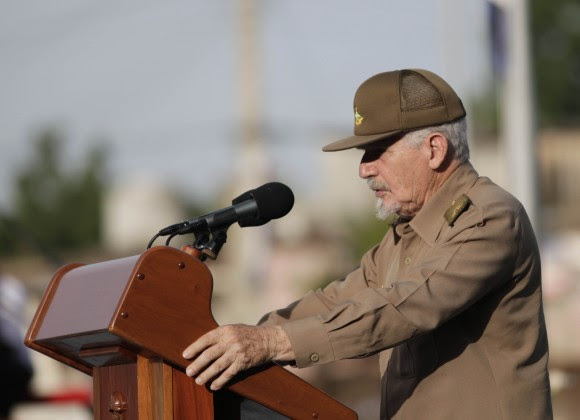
(376, 185)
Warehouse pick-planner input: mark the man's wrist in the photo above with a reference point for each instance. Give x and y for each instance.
(279, 344)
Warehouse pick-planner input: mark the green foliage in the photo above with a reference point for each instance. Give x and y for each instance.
(366, 233)
(555, 31)
(361, 235)
(485, 111)
(53, 209)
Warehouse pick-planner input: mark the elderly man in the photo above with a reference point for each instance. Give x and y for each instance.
(451, 297)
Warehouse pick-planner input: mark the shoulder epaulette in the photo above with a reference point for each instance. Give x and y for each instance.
(458, 206)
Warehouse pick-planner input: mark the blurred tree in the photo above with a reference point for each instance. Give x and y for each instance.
(484, 115)
(555, 31)
(364, 233)
(54, 209)
(361, 234)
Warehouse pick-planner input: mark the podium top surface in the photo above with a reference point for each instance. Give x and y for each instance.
(86, 299)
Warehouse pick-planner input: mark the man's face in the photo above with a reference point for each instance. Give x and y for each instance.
(399, 175)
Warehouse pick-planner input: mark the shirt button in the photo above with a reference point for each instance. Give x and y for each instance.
(314, 357)
(408, 260)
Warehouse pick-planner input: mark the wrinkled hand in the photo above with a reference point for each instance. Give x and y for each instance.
(222, 353)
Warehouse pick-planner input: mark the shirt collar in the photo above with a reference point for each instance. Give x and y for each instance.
(429, 220)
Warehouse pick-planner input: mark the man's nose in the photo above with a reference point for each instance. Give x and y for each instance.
(367, 169)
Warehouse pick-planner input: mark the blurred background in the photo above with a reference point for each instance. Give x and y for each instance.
(120, 118)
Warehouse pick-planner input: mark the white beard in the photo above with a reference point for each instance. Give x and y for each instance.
(384, 212)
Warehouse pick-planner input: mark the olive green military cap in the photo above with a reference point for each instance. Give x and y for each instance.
(391, 103)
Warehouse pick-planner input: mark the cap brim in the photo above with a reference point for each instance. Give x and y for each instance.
(357, 141)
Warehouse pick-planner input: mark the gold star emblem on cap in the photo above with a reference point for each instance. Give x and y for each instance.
(358, 118)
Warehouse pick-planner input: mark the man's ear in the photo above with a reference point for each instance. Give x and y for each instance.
(438, 148)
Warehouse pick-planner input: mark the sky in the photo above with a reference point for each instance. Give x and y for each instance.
(159, 81)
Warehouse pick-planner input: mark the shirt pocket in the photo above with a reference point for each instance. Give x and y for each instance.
(415, 357)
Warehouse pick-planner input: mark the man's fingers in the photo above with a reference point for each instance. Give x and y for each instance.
(207, 357)
(218, 373)
(225, 377)
(203, 342)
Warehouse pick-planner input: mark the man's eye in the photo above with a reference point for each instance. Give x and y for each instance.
(372, 154)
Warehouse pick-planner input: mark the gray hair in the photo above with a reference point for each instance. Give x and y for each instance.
(455, 132)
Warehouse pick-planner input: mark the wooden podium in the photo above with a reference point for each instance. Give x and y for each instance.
(126, 323)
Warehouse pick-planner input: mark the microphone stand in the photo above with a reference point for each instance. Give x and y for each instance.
(208, 242)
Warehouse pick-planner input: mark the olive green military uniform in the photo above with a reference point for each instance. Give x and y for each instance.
(454, 297)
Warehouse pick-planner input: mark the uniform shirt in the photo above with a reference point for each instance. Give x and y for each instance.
(455, 303)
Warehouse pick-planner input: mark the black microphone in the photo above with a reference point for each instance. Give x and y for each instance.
(253, 208)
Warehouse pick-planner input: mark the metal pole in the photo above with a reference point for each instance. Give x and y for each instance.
(518, 127)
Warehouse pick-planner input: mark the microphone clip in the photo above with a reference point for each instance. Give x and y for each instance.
(208, 240)
(211, 246)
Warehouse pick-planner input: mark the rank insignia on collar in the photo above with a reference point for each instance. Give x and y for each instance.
(458, 206)
(358, 118)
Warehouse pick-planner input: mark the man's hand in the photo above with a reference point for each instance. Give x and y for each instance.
(222, 353)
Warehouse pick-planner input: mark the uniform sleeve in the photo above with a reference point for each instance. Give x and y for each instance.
(324, 300)
(471, 259)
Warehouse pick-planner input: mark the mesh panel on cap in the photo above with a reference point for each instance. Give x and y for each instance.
(418, 93)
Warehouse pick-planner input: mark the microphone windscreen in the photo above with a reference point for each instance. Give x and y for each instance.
(274, 200)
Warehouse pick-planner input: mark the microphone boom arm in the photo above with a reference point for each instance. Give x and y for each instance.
(253, 208)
